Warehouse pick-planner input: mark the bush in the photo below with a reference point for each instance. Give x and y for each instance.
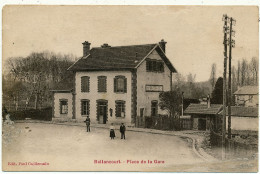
(35, 114)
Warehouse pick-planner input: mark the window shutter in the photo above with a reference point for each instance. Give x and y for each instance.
(99, 85)
(82, 84)
(60, 107)
(88, 108)
(87, 84)
(116, 109)
(82, 107)
(125, 85)
(115, 84)
(147, 65)
(162, 67)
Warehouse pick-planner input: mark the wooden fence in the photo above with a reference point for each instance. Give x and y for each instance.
(161, 122)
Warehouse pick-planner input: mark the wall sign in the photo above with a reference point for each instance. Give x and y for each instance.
(154, 88)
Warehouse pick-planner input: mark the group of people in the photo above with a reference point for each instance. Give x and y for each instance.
(122, 131)
(112, 129)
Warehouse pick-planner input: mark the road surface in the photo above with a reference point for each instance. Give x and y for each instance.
(48, 147)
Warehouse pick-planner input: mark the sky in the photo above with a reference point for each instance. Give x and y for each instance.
(194, 34)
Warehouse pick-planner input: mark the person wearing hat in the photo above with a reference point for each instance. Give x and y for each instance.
(87, 121)
(122, 130)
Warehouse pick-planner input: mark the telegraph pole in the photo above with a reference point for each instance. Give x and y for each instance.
(225, 30)
(231, 44)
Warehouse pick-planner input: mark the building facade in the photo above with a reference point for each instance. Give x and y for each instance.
(247, 96)
(117, 84)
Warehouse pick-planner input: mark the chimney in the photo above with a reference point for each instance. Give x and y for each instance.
(105, 45)
(162, 45)
(86, 48)
(208, 101)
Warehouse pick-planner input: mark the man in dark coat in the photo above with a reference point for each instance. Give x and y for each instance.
(88, 123)
(122, 130)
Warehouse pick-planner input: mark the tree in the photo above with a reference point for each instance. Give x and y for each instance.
(213, 75)
(191, 84)
(238, 74)
(39, 72)
(254, 70)
(244, 72)
(217, 94)
(171, 102)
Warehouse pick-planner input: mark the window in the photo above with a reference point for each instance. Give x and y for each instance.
(141, 112)
(160, 67)
(154, 108)
(84, 107)
(85, 84)
(148, 65)
(120, 108)
(154, 65)
(102, 84)
(63, 106)
(120, 84)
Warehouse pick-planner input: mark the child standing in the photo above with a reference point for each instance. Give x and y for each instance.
(112, 131)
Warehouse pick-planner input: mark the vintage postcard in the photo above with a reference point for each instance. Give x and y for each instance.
(169, 88)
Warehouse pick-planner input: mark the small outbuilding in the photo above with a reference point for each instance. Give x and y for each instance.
(204, 116)
(243, 118)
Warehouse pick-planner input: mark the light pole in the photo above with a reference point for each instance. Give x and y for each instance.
(231, 44)
(225, 30)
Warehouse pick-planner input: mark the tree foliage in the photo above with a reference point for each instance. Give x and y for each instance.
(191, 88)
(217, 94)
(213, 75)
(171, 102)
(38, 73)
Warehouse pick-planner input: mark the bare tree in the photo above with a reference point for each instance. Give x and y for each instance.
(244, 72)
(238, 74)
(254, 70)
(213, 75)
(39, 72)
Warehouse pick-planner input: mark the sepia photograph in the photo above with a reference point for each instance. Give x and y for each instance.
(130, 88)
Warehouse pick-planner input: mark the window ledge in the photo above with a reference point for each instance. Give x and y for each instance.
(84, 115)
(120, 117)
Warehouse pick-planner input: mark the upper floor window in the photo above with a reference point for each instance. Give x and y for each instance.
(84, 107)
(120, 84)
(85, 84)
(63, 106)
(154, 65)
(102, 84)
(120, 108)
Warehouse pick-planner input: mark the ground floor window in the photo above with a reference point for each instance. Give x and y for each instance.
(63, 106)
(154, 108)
(141, 112)
(120, 108)
(84, 107)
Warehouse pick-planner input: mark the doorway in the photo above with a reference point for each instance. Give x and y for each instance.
(202, 124)
(102, 111)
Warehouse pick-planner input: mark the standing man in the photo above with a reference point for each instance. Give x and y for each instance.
(88, 123)
(122, 130)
